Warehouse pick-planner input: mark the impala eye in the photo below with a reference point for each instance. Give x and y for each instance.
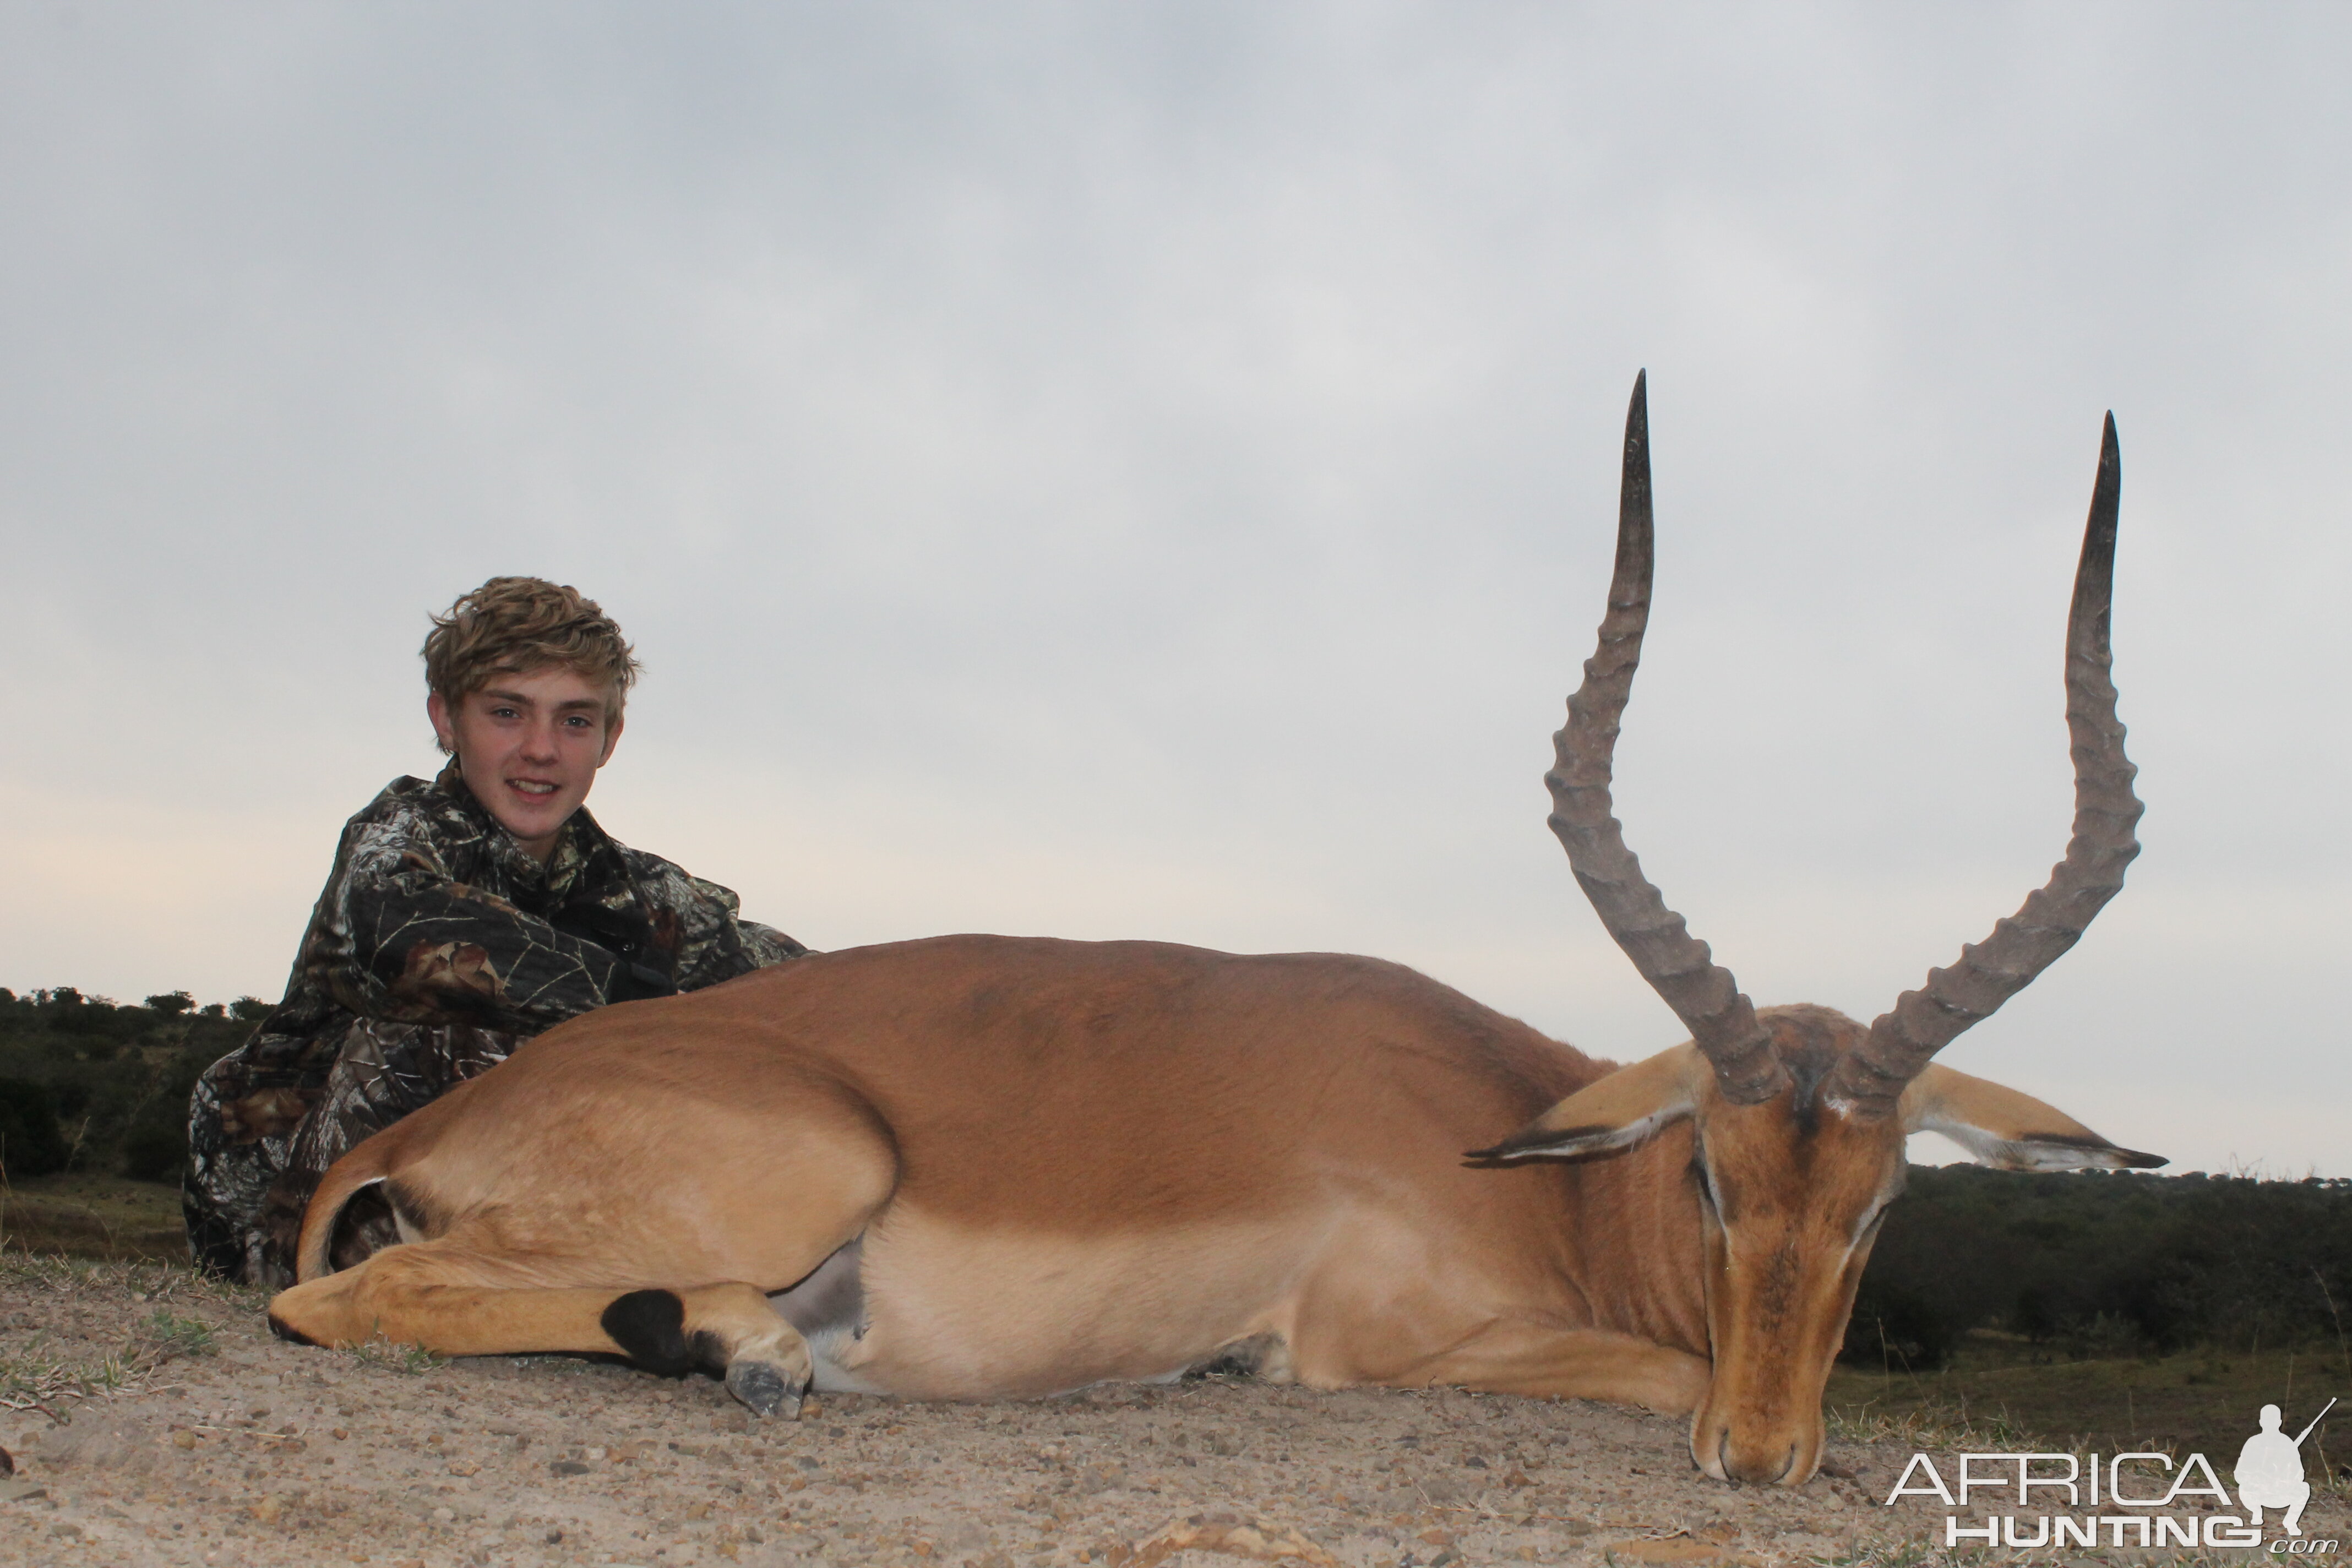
(1706, 1183)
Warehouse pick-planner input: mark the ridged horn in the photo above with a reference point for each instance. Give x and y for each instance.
(1678, 965)
(1870, 1076)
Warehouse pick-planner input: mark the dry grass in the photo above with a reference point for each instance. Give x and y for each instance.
(409, 1360)
(142, 1280)
(92, 1216)
(2202, 1399)
(1929, 1426)
(38, 1373)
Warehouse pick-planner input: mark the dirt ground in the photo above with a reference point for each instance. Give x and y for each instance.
(191, 1436)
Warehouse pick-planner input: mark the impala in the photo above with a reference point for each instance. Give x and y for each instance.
(979, 1167)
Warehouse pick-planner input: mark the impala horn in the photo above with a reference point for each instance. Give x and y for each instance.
(1677, 966)
(1870, 1076)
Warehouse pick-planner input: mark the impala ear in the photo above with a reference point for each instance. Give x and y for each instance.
(2009, 1130)
(1614, 1112)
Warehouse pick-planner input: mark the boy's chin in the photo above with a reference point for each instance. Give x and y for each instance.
(531, 817)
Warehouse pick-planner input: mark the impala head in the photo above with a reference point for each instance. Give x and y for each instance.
(1800, 1114)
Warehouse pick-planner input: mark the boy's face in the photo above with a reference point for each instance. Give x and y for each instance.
(528, 745)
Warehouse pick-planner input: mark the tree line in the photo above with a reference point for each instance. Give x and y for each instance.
(87, 1083)
(2096, 1263)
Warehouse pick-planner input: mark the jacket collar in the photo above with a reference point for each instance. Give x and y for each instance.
(584, 852)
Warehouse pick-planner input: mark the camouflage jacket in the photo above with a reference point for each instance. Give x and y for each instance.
(439, 945)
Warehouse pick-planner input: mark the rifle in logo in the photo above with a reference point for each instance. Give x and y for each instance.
(2270, 1470)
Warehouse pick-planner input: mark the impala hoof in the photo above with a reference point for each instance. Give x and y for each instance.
(764, 1388)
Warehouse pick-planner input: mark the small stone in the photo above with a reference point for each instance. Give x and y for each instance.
(568, 1468)
(555, 1536)
(445, 1516)
(183, 1438)
(66, 1531)
(21, 1488)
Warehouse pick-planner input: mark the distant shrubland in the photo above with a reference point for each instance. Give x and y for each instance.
(90, 1084)
(2097, 1264)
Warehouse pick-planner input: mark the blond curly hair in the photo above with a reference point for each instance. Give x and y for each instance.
(522, 624)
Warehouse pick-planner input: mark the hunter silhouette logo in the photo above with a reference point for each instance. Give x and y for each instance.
(2270, 1472)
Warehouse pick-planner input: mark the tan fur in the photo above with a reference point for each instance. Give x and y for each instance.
(1799, 1182)
(2001, 1127)
(1071, 1161)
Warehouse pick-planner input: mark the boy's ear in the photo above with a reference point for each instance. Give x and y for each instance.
(444, 728)
(612, 738)
(1614, 1112)
(2007, 1129)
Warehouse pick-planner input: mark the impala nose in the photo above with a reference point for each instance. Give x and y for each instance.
(1755, 1466)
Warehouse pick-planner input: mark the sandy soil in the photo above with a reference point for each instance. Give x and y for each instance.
(253, 1451)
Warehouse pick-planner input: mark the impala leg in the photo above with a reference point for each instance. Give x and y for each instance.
(1568, 1363)
(454, 1300)
(727, 1329)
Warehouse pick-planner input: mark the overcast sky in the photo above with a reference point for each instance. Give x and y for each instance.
(1125, 470)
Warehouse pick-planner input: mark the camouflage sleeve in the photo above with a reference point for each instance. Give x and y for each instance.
(713, 941)
(399, 939)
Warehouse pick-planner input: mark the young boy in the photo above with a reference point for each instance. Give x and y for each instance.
(462, 917)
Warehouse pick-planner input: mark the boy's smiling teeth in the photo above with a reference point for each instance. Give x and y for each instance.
(532, 786)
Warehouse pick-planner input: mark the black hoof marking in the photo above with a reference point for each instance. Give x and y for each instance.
(763, 1388)
(285, 1330)
(707, 1353)
(649, 1327)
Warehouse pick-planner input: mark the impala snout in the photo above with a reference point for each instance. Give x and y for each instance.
(1775, 1332)
(1790, 1194)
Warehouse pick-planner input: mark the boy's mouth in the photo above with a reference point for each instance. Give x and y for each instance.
(537, 787)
